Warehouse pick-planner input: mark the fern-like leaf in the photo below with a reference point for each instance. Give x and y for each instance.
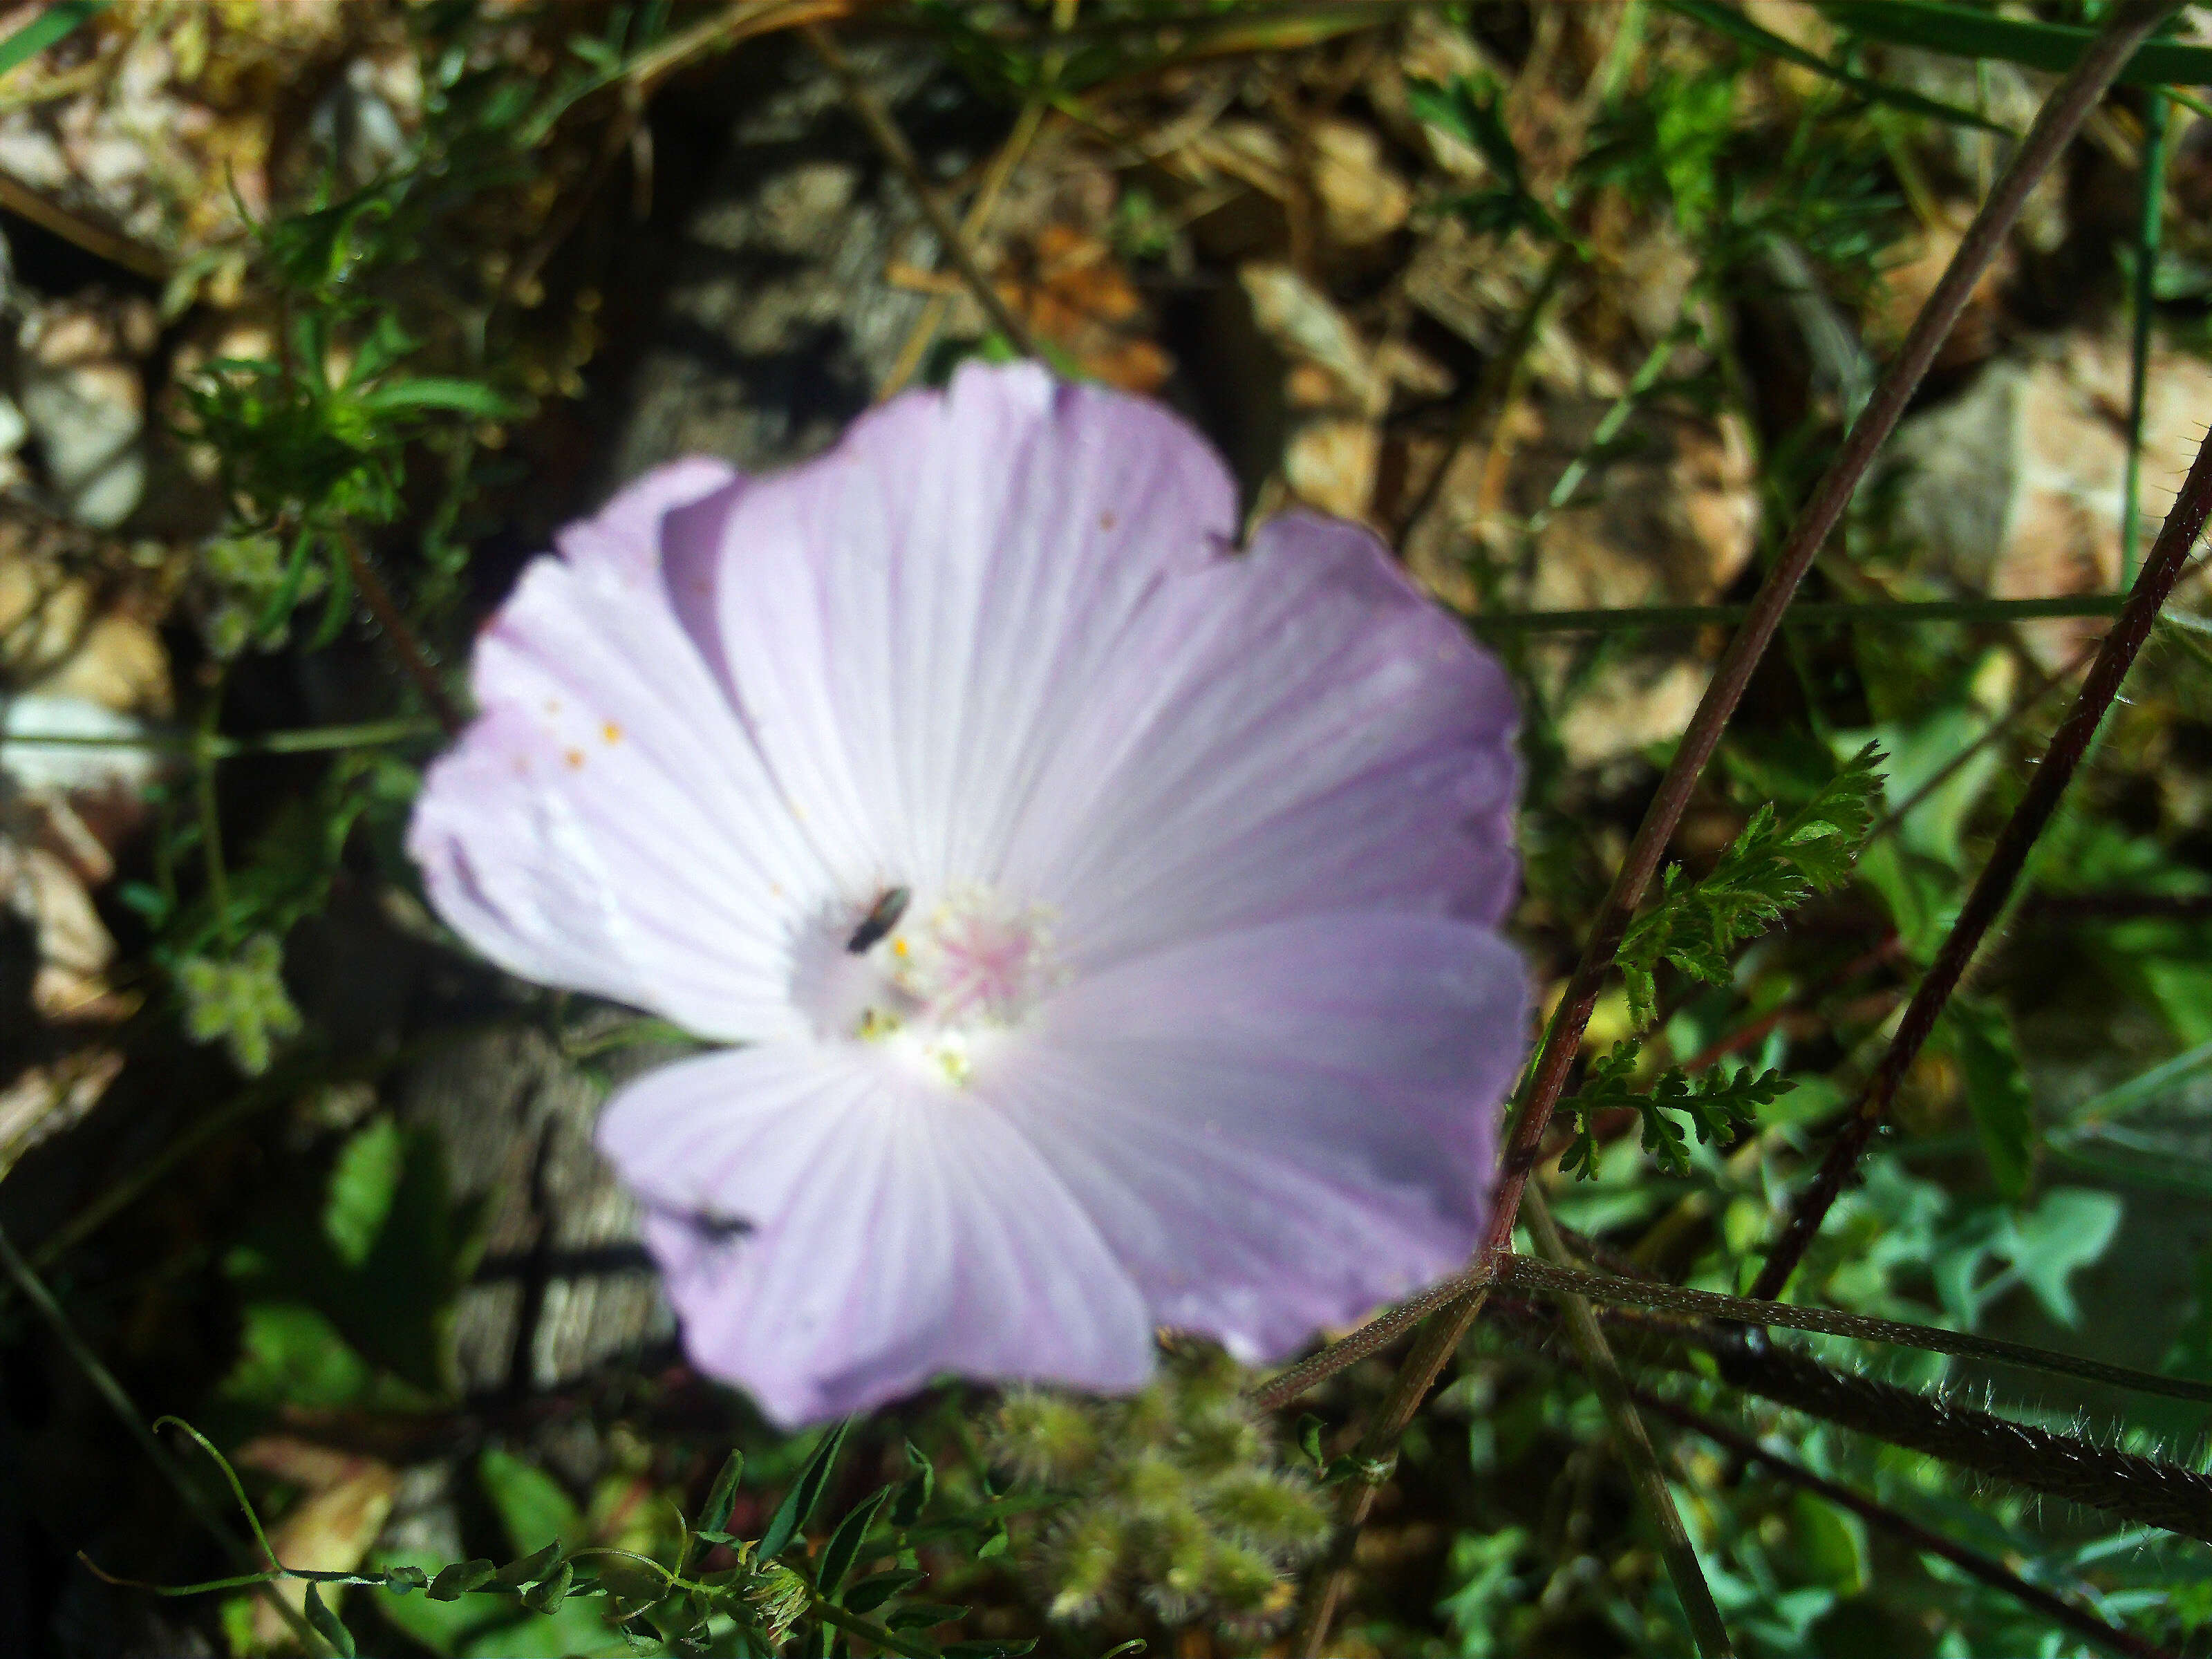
(1715, 1105)
(1767, 872)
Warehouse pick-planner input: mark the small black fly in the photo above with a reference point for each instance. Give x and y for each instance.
(877, 924)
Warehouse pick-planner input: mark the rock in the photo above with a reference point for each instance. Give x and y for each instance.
(563, 1285)
(42, 1101)
(780, 324)
(1330, 464)
(108, 763)
(71, 947)
(2013, 489)
(1905, 283)
(85, 401)
(1304, 324)
(1632, 706)
(1363, 199)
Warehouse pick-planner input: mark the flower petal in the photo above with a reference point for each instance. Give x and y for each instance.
(1291, 731)
(897, 1229)
(607, 824)
(1280, 1128)
(914, 621)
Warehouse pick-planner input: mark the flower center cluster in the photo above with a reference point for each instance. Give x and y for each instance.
(956, 972)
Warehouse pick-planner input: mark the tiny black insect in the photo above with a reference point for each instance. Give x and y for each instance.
(718, 1228)
(877, 924)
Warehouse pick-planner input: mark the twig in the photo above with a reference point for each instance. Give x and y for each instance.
(1906, 1530)
(900, 154)
(2149, 225)
(1001, 170)
(2056, 124)
(406, 645)
(1570, 1283)
(1624, 618)
(1993, 890)
(1492, 396)
(97, 239)
(1635, 1444)
(725, 29)
(33, 1290)
(996, 179)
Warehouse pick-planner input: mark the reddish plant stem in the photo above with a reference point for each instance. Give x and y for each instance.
(2062, 113)
(1906, 1530)
(406, 644)
(1993, 890)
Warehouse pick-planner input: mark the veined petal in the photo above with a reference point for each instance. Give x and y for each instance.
(608, 825)
(1280, 1128)
(1291, 731)
(914, 623)
(894, 1229)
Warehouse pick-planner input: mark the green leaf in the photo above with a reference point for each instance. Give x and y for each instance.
(1996, 1090)
(914, 1495)
(1832, 1542)
(327, 1625)
(439, 392)
(527, 1569)
(551, 1591)
(872, 1592)
(806, 1493)
(843, 1549)
(1766, 873)
(922, 1616)
(1715, 1105)
(1725, 19)
(50, 28)
(531, 1504)
(452, 1583)
(1468, 110)
(1966, 32)
(363, 1186)
(405, 1580)
(715, 1516)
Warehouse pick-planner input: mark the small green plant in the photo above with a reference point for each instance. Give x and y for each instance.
(769, 1592)
(1768, 870)
(1716, 1106)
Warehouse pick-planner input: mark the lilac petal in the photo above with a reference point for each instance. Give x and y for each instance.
(1278, 1129)
(898, 1229)
(626, 535)
(607, 824)
(1293, 730)
(916, 621)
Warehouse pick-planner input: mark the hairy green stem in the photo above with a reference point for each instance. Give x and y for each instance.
(1907, 1531)
(1650, 1477)
(1523, 1273)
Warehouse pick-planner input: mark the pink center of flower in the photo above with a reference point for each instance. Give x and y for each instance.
(958, 970)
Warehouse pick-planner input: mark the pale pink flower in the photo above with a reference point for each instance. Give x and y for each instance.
(1195, 1014)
